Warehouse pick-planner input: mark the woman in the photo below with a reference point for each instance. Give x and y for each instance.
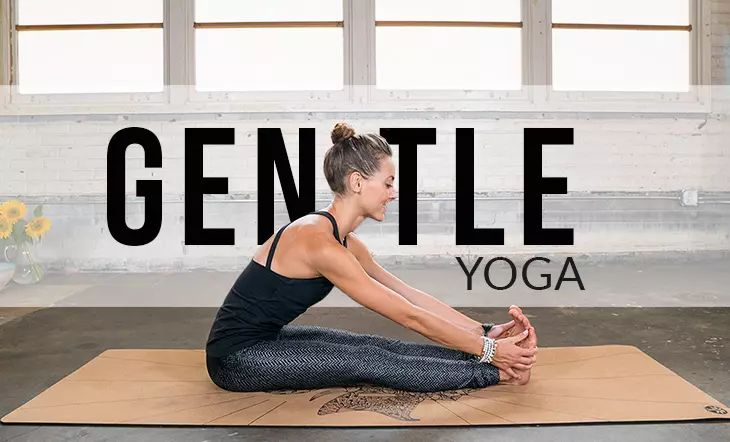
(252, 346)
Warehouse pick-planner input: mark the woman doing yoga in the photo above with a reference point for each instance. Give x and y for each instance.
(252, 346)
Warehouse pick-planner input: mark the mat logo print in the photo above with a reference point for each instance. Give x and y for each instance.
(715, 409)
(396, 404)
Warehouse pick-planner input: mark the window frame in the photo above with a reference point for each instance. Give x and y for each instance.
(454, 100)
(263, 100)
(697, 99)
(76, 101)
(360, 93)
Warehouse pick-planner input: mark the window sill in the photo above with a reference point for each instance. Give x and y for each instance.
(359, 100)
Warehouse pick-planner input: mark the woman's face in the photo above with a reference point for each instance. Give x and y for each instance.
(379, 190)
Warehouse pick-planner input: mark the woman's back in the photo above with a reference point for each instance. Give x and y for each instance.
(262, 300)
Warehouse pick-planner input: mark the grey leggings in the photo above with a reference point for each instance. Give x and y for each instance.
(308, 357)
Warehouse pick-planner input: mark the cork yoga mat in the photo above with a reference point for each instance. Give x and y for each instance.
(612, 383)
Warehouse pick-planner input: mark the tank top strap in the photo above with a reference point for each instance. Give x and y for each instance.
(335, 230)
(273, 246)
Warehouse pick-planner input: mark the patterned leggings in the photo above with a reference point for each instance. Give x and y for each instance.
(309, 357)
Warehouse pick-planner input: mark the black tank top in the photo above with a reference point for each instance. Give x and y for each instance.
(262, 301)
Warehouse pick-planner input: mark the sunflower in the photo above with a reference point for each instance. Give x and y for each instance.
(13, 210)
(38, 226)
(6, 227)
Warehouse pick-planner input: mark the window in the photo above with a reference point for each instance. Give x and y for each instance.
(86, 46)
(461, 44)
(351, 55)
(272, 45)
(621, 45)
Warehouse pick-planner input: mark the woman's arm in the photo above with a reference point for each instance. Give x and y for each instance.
(342, 268)
(424, 300)
(415, 296)
(344, 271)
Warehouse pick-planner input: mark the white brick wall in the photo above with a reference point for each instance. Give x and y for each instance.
(616, 154)
(623, 156)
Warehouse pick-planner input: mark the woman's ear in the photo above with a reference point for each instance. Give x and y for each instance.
(355, 180)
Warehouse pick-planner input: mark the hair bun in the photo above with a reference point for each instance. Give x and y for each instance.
(342, 131)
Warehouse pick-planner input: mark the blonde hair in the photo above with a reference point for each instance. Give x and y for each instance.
(352, 153)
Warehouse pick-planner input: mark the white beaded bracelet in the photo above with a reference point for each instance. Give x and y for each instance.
(488, 350)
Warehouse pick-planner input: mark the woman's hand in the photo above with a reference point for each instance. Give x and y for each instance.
(519, 324)
(509, 356)
(502, 330)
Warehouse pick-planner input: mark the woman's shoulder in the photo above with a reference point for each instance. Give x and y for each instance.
(312, 231)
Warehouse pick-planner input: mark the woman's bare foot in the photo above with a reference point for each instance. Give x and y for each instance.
(505, 379)
(522, 324)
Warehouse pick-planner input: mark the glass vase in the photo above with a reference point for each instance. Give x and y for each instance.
(27, 268)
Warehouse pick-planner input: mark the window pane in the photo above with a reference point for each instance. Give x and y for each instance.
(458, 10)
(268, 10)
(448, 58)
(269, 59)
(127, 60)
(644, 12)
(55, 12)
(621, 60)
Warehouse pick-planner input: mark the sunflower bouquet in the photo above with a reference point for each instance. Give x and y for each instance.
(16, 232)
